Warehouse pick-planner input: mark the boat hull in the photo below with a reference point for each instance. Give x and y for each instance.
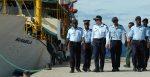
(19, 49)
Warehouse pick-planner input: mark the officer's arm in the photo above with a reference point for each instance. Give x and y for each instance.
(83, 38)
(108, 40)
(146, 37)
(124, 33)
(147, 34)
(92, 35)
(125, 38)
(67, 40)
(107, 37)
(130, 36)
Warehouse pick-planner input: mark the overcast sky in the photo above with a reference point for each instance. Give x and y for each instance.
(125, 10)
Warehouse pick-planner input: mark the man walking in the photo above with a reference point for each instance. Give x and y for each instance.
(87, 51)
(114, 38)
(129, 50)
(98, 42)
(138, 35)
(146, 52)
(74, 38)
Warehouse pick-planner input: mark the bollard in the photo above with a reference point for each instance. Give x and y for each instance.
(48, 66)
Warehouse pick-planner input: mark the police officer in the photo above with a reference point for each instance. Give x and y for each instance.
(87, 53)
(98, 42)
(146, 54)
(138, 34)
(114, 38)
(74, 38)
(129, 50)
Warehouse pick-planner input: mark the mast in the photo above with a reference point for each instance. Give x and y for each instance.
(4, 7)
(38, 18)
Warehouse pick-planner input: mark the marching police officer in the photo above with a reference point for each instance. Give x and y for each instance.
(98, 42)
(114, 38)
(146, 54)
(129, 50)
(138, 34)
(87, 53)
(74, 38)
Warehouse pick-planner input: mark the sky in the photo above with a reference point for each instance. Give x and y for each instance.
(125, 10)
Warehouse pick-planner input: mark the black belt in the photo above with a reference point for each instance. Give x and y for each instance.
(74, 42)
(115, 40)
(87, 43)
(99, 38)
(138, 40)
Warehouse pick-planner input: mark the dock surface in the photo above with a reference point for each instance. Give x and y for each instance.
(63, 71)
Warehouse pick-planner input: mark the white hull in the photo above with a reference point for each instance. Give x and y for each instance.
(27, 55)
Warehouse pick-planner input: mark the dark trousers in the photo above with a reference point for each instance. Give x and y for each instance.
(75, 54)
(138, 48)
(146, 54)
(99, 52)
(51, 52)
(87, 54)
(116, 49)
(128, 54)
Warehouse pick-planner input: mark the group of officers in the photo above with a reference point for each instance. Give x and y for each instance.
(96, 40)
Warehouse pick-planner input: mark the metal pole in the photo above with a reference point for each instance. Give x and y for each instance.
(38, 17)
(4, 7)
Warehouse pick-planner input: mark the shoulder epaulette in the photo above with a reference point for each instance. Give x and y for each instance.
(90, 29)
(120, 25)
(104, 24)
(80, 28)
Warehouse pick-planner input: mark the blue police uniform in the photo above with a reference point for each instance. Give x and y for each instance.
(138, 34)
(147, 48)
(75, 37)
(87, 50)
(114, 38)
(98, 42)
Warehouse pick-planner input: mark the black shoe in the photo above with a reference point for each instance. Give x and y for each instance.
(144, 69)
(101, 70)
(114, 70)
(117, 69)
(139, 70)
(49, 66)
(72, 71)
(134, 69)
(128, 66)
(88, 70)
(84, 69)
(78, 70)
(96, 70)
